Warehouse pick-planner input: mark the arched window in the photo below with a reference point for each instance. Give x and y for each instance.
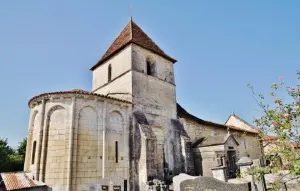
(150, 67)
(116, 150)
(109, 73)
(33, 152)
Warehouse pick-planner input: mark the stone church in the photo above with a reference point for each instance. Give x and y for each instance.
(128, 129)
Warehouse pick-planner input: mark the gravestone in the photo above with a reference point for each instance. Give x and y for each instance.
(212, 184)
(112, 184)
(116, 188)
(155, 184)
(256, 163)
(246, 163)
(219, 173)
(179, 178)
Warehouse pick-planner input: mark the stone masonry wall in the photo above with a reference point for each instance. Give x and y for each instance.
(54, 147)
(88, 169)
(120, 63)
(205, 159)
(249, 145)
(33, 135)
(93, 119)
(55, 160)
(196, 131)
(153, 94)
(164, 69)
(119, 88)
(72, 155)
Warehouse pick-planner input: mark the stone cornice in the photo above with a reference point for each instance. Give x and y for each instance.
(71, 93)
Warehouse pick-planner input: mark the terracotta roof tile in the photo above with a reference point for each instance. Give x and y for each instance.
(19, 180)
(270, 138)
(132, 33)
(122, 40)
(273, 139)
(242, 129)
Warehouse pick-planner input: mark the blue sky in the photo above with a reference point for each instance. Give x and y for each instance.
(220, 47)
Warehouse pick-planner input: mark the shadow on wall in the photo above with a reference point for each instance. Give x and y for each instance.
(173, 159)
(135, 147)
(198, 163)
(197, 157)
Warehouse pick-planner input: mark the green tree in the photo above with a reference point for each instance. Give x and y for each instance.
(5, 150)
(4, 147)
(11, 160)
(22, 148)
(281, 118)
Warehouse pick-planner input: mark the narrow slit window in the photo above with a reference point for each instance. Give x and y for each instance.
(33, 152)
(109, 73)
(245, 143)
(116, 147)
(125, 185)
(149, 68)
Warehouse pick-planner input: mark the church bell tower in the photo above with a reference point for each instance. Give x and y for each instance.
(135, 69)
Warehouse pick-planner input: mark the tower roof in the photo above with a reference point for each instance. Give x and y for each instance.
(132, 33)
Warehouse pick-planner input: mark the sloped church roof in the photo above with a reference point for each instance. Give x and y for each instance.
(132, 33)
(181, 112)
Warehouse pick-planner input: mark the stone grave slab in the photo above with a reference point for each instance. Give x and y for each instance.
(212, 184)
(179, 178)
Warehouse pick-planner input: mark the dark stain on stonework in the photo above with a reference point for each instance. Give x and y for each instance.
(131, 180)
(138, 118)
(173, 139)
(179, 127)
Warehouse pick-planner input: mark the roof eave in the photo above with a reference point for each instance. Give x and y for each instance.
(101, 61)
(158, 53)
(46, 96)
(228, 119)
(209, 145)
